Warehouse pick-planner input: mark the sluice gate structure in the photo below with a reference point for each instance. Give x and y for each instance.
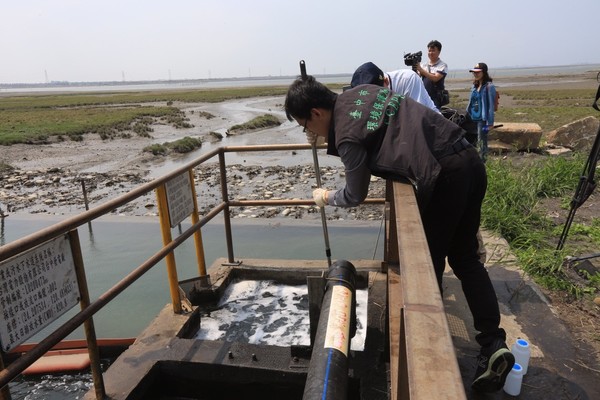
(408, 351)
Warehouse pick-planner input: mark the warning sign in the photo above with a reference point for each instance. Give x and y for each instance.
(36, 288)
(179, 198)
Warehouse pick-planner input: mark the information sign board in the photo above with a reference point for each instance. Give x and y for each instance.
(180, 200)
(36, 287)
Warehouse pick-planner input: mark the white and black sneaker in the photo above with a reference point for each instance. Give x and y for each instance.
(493, 365)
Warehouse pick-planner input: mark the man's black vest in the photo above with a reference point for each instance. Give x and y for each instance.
(403, 138)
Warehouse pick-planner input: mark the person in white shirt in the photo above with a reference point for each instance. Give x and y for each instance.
(402, 81)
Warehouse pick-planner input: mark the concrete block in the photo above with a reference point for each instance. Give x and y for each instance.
(516, 136)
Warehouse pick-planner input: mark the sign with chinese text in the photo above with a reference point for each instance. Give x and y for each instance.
(36, 287)
(179, 198)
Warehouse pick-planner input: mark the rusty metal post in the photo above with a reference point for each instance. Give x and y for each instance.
(226, 215)
(5, 391)
(84, 302)
(85, 199)
(165, 228)
(198, 235)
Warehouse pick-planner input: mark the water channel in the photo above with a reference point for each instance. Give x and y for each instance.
(112, 246)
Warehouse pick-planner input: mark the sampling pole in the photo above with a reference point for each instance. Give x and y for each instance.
(318, 176)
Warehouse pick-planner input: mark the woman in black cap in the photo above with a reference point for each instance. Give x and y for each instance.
(481, 105)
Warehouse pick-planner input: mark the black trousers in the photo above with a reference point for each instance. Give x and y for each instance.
(451, 221)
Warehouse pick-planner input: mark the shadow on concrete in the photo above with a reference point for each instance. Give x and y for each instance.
(555, 371)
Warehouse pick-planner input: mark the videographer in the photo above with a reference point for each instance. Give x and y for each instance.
(434, 73)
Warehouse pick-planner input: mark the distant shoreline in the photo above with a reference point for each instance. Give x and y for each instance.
(456, 79)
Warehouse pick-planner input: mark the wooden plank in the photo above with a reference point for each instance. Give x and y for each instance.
(415, 261)
(391, 244)
(432, 366)
(395, 311)
(430, 360)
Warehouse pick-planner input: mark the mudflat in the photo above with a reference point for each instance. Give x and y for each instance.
(54, 172)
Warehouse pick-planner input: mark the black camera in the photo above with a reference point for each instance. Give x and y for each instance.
(413, 59)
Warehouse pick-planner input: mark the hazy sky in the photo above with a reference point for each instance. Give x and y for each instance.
(114, 40)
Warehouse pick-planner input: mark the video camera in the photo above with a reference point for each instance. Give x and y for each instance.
(413, 59)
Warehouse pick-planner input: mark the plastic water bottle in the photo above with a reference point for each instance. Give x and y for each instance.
(514, 380)
(522, 351)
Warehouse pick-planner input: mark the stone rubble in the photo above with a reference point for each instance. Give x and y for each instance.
(60, 191)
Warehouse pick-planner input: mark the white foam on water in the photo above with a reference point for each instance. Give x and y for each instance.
(265, 312)
(51, 387)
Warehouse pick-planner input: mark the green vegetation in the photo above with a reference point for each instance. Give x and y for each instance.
(36, 125)
(179, 121)
(550, 109)
(513, 208)
(184, 145)
(42, 118)
(264, 121)
(205, 114)
(516, 203)
(35, 119)
(106, 99)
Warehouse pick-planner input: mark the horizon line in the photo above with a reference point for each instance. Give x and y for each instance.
(245, 78)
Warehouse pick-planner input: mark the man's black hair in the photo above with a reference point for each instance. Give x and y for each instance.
(305, 94)
(435, 43)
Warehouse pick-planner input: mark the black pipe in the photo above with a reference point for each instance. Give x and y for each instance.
(328, 369)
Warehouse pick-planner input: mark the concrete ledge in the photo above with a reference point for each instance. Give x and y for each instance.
(165, 352)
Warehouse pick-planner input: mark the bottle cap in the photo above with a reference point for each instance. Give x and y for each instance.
(517, 368)
(512, 386)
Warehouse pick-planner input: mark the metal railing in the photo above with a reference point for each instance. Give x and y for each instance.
(70, 225)
(411, 307)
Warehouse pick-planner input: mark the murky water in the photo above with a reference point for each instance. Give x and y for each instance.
(113, 246)
(264, 312)
(51, 387)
